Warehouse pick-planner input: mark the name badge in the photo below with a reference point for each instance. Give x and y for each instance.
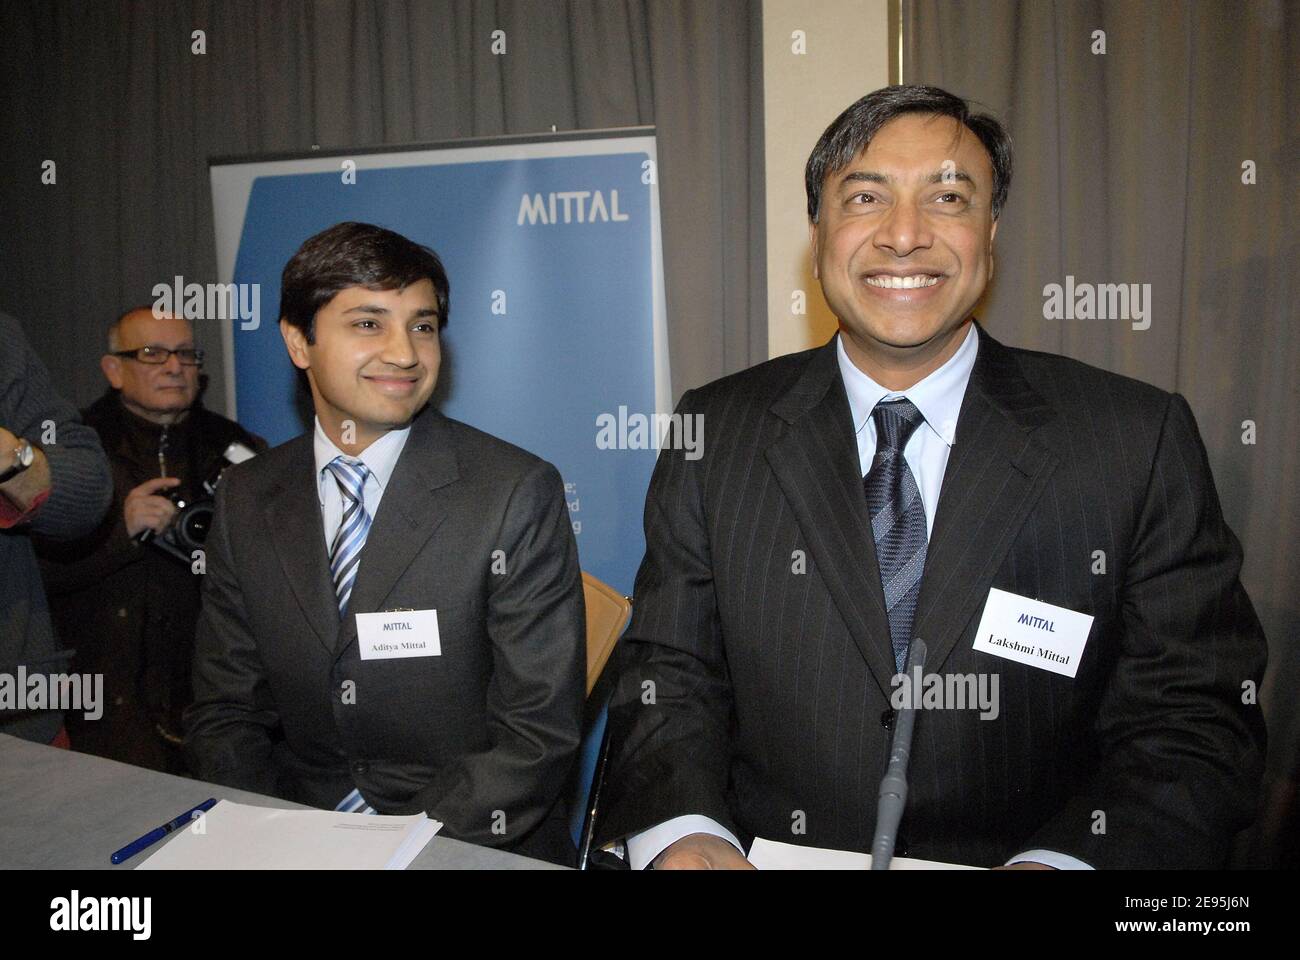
(1030, 631)
(398, 633)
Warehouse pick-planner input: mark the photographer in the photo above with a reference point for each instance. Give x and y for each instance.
(127, 596)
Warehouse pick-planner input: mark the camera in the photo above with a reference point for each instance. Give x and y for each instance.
(188, 531)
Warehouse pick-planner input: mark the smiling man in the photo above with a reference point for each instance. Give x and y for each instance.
(393, 616)
(1034, 520)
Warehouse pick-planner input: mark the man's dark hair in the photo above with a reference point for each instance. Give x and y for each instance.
(850, 132)
(355, 255)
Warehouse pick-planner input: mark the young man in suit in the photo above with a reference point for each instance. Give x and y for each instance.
(393, 614)
(914, 478)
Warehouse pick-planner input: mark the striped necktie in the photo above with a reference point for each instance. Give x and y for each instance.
(354, 802)
(897, 520)
(345, 557)
(345, 554)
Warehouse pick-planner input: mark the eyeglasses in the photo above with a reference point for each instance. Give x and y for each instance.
(188, 356)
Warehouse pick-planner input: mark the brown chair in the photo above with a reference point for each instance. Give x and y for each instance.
(608, 612)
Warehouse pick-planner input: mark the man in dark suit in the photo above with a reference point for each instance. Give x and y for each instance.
(393, 616)
(914, 478)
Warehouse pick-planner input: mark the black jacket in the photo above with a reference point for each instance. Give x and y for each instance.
(129, 609)
(755, 690)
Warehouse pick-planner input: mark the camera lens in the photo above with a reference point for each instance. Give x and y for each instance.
(193, 525)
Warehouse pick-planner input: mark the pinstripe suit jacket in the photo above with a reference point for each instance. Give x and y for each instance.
(754, 688)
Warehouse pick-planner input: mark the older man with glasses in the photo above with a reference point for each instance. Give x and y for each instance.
(127, 604)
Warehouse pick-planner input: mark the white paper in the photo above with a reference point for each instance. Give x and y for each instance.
(235, 836)
(1029, 631)
(398, 633)
(774, 855)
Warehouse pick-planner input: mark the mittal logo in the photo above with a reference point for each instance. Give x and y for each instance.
(570, 206)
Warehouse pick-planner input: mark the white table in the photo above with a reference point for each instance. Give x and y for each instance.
(65, 810)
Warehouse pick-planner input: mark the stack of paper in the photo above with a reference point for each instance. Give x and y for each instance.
(774, 855)
(234, 836)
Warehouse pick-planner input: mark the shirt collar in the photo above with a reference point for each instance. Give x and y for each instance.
(938, 396)
(380, 457)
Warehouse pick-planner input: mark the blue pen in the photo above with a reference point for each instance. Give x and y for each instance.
(153, 836)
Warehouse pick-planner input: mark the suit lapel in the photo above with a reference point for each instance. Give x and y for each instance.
(295, 529)
(996, 472)
(816, 463)
(408, 515)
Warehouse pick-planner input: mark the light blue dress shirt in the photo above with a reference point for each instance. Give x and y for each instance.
(380, 458)
(938, 397)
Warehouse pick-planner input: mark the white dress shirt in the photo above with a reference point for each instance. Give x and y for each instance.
(938, 397)
(380, 458)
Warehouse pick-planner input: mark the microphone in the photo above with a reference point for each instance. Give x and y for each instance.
(893, 786)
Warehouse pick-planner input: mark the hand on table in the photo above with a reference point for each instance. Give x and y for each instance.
(702, 851)
(1026, 865)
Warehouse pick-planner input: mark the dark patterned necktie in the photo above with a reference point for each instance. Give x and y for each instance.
(897, 520)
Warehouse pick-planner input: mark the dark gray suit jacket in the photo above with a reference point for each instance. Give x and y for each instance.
(768, 708)
(490, 725)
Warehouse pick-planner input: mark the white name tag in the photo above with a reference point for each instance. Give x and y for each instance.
(401, 633)
(1030, 631)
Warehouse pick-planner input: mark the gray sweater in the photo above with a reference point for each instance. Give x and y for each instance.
(80, 492)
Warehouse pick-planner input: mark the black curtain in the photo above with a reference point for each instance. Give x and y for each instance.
(1157, 143)
(116, 96)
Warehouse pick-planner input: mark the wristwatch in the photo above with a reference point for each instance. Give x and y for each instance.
(23, 457)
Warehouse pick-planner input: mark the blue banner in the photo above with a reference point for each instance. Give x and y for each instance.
(556, 334)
